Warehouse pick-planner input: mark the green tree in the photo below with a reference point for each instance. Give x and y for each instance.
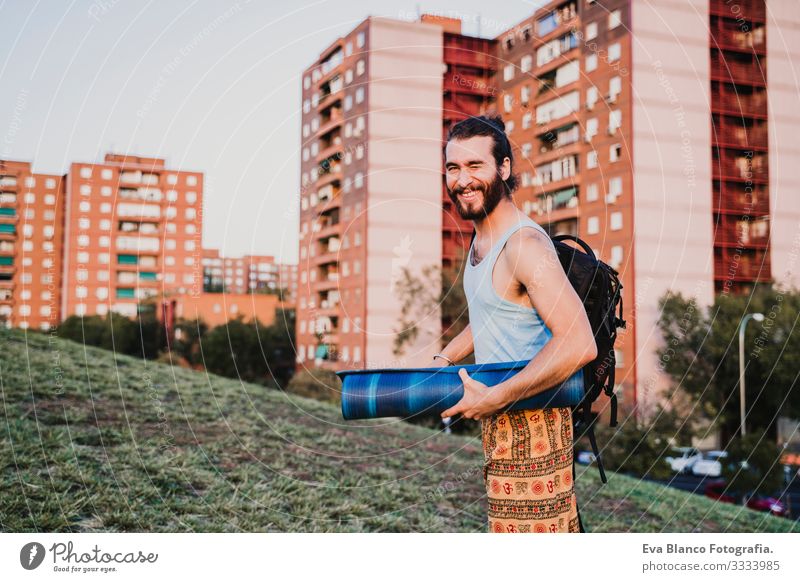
(252, 351)
(753, 465)
(189, 334)
(420, 295)
(700, 353)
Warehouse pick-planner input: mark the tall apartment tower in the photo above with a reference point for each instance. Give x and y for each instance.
(375, 106)
(134, 230)
(31, 230)
(656, 132)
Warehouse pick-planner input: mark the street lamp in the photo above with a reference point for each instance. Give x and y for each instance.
(742, 325)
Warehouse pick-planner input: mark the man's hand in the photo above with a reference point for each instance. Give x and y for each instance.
(478, 401)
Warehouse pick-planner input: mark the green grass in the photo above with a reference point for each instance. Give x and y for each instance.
(92, 441)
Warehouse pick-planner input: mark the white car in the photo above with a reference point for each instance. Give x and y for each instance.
(683, 458)
(710, 465)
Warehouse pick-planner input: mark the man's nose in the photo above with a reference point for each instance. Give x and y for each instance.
(464, 179)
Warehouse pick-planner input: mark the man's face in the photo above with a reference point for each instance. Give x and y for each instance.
(472, 179)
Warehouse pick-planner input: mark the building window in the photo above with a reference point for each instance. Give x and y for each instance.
(360, 39)
(591, 63)
(614, 19)
(615, 152)
(591, 30)
(191, 197)
(615, 187)
(172, 179)
(360, 66)
(591, 128)
(591, 159)
(191, 180)
(526, 63)
(593, 225)
(616, 256)
(508, 102)
(86, 172)
(360, 95)
(614, 52)
(591, 192)
(591, 97)
(358, 181)
(508, 72)
(84, 206)
(614, 88)
(106, 174)
(614, 120)
(50, 183)
(615, 221)
(85, 189)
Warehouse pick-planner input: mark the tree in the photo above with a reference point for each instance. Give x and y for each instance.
(419, 295)
(252, 351)
(700, 353)
(753, 466)
(188, 336)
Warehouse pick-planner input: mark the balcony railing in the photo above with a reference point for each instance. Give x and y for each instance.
(732, 71)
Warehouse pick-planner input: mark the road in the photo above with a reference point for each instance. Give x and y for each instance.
(697, 485)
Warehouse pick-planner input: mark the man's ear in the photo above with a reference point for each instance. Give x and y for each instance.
(505, 169)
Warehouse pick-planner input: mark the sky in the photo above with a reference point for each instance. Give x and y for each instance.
(211, 86)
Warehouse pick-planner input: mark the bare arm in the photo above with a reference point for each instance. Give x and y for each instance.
(535, 265)
(459, 347)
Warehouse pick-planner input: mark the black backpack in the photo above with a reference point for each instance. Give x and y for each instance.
(597, 284)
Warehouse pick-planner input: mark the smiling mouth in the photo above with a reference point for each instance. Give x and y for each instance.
(469, 196)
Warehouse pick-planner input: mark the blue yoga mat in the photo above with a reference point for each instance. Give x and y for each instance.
(409, 392)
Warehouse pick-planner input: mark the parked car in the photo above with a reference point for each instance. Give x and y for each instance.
(717, 490)
(683, 458)
(585, 458)
(710, 464)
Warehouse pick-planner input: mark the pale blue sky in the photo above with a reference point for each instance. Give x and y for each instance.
(209, 85)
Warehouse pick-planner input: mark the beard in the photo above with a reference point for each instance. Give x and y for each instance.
(492, 194)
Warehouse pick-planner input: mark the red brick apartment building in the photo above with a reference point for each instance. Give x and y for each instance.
(660, 132)
(134, 231)
(247, 274)
(31, 232)
(376, 105)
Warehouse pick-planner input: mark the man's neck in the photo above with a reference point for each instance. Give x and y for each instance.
(503, 217)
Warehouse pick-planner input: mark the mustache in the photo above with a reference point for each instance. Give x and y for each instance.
(476, 188)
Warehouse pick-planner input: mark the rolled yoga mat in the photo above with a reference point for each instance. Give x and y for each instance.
(409, 392)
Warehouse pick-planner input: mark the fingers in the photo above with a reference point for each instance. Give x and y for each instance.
(462, 373)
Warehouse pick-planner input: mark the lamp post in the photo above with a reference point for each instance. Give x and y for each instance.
(742, 326)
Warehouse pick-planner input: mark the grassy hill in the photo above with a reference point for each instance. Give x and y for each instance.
(92, 441)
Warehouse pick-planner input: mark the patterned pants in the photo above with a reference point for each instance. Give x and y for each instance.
(528, 471)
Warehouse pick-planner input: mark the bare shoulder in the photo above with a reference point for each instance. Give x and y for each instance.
(530, 243)
(529, 253)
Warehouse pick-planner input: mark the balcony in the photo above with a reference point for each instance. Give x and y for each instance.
(734, 200)
(739, 168)
(469, 84)
(335, 119)
(734, 71)
(739, 103)
(334, 150)
(8, 182)
(557, 20)
(743, 269)
(733, 132)
(747, 234)
(455, 54)
(749, 10)
(333, 175)
(728, 36)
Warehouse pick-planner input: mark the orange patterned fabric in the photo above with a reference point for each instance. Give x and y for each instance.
(528, 471)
